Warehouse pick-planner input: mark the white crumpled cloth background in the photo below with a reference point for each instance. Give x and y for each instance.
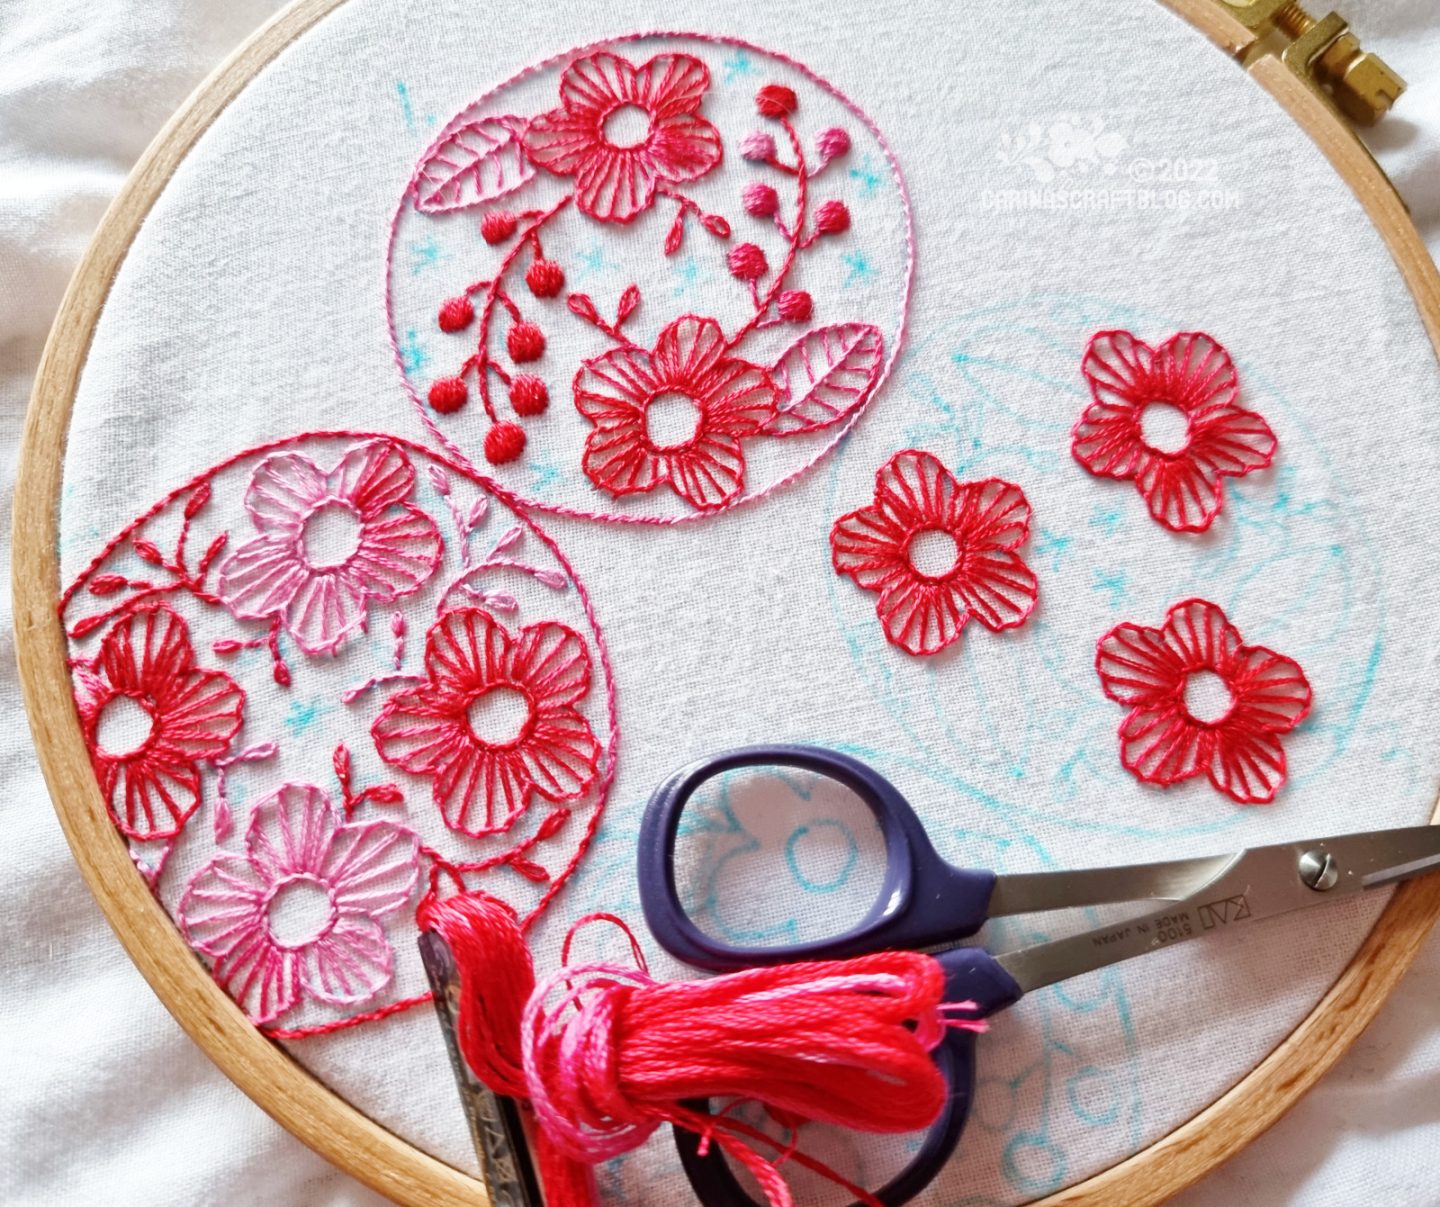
(104, 1096)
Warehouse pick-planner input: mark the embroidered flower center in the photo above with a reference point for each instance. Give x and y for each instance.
(1208, 699)
(331, 536)
(499, 717)
(1164, 427)
(932, 553)
(300, 911)
(125, 727)
(626, 127)
(671, 420)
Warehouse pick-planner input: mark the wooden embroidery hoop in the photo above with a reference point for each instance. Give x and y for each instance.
(290, 1094)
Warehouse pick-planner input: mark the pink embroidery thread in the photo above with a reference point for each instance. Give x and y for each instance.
(777, 305)
(1163, 741)
(152, 789)
(924, 610)
(260, 753)
(1193, 374)
(322, 596)
(483, 785)
(296, 844)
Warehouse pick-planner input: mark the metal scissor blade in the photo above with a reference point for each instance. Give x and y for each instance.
(1257, 883)
(1039, 892)
(495, 1126)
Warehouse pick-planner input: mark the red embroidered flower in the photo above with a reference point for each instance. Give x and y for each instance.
(674, 415)
(1189, 380)
(495, 722)
(1168, 735)
(164, 715)
(621, 130)
(939, 552)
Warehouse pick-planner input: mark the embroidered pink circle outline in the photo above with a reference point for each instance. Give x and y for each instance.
(520, 509)
(457, 456)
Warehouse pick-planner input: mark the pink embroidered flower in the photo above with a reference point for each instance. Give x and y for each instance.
(297, 915)
(495, 722)
(150, 716)
(674, 415)
(939, 552)
(1188, 385)
(623, 130)
(1201, 701)
(331, 542)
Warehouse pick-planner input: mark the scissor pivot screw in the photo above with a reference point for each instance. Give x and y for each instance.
(1319, 871)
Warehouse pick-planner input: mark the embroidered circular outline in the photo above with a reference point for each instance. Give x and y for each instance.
(505, 440)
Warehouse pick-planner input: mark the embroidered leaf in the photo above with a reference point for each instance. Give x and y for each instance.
(629, 300)
(676, 233)
(84, 628)
(823, 376)
(716, 225)
(148, 551)
(581, 306)
(480, 162)
(108, 584)
(197, 501)
(212, 552)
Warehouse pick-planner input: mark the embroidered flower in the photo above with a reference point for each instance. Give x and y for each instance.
(674, 415)
(495, 722)
(331, 542)
(150, 716)
(1172, 732)
(1188, 384)
(939, 552)
(297, 915)
(623, 130)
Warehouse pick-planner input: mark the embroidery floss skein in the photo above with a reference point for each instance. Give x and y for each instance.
(606, 1054)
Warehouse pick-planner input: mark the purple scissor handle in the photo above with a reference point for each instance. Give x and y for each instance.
(923, 901)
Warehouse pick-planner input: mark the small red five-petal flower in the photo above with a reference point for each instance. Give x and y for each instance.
(1191, 377)
(1165, 738)
(483, 777)
(939, 552)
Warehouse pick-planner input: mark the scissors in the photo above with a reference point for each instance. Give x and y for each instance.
(926, 903)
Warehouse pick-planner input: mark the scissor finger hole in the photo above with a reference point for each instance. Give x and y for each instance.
(769, 856)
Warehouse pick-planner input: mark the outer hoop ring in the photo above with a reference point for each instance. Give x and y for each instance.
(300, 1103)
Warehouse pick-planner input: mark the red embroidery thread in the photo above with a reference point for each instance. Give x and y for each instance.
(152, 789)
(924, 609)
(616, 180)
(482, 785)
(1195, 376)
(1163, 741)
(140, 598)
(689, 367)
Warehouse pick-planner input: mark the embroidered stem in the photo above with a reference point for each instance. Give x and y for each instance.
(802, 202)
(495, 293)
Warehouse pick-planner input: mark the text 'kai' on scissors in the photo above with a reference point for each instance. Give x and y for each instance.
(917, 900)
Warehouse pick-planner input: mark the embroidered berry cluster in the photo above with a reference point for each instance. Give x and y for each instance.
(524, 340)
(940, 553)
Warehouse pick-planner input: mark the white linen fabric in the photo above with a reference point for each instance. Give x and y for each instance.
(105, 1089)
